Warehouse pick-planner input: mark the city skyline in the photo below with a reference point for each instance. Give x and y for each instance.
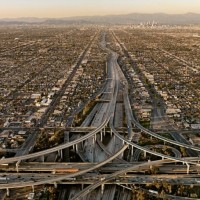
(66, 8)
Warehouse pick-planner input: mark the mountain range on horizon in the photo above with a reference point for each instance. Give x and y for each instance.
(133, 18)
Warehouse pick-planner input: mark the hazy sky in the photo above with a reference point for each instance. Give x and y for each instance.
(65, 8)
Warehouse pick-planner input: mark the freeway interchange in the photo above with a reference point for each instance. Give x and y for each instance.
(104, 119)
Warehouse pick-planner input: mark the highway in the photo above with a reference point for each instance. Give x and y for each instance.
(96, 151)
(63, 177)
(180, 144)
(153, 152)
(180, 138)
(51, 167)
(113, 176)
(104, 115)
(137, 152)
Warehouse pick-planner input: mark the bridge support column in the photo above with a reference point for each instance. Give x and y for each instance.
(60, 153)
(131, 151)
(95, 137)
(73, 147)
(17, 166)
(145, 154)
(7, 192)
(102, 188)
(101, 135)
(93, 140)
(151, 166)
(82, 186)
(163, 158)
(114, 138)
(33, 188)
(104, 133)
(188, 168)
(111, 133)
(55, 185)
(42, 158)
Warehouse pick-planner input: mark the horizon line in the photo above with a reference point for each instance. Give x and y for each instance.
(102, 15)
